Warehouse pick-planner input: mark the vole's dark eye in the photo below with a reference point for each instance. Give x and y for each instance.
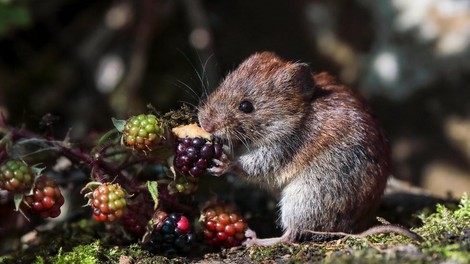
(246, 107)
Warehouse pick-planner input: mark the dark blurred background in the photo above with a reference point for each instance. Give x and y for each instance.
(88, 61)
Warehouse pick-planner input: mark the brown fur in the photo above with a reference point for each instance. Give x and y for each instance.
(309, 139)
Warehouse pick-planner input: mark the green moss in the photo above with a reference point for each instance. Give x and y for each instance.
(97, 252)
(288, 253)
(49, 243)
(445, 222)
(447, 232)
(373, 255)
(266, 253)
(86, 254)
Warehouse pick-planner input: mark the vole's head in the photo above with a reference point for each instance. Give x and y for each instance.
(262, 101)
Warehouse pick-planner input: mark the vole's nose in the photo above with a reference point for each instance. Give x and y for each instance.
(209, 127)
(211, 119)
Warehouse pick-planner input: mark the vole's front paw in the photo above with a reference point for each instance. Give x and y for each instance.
(222, 165)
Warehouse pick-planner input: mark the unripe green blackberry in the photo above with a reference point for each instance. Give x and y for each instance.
(184, 185)
(223, 226)
(45, 200)
(16, 176)
(108, 202)
(142, 132)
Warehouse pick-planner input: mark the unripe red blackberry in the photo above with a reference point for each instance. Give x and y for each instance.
(45, 200)
(223, 226)
(171, 233)
(142, 132)
(194, 150)
(136, 217)
(16, 176)
(108, 202)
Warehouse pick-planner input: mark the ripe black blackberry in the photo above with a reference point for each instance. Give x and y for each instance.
(194, 155)
(171, 233)
(195, 150)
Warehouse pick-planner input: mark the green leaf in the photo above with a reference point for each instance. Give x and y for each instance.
(91, 186)
(153, 189)
(17, 198)
(119, 124)
(37, 170)
(108, 136)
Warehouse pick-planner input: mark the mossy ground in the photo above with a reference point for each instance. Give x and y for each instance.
(446, 233)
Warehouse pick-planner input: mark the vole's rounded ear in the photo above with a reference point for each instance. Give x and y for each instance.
(303, 78)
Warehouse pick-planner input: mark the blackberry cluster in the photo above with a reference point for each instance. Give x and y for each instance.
(142, 132)
(45, 200)
(194, 155)
(136, 217)
(108, 202)
(16, 176)
(223, 226)
(171, 233)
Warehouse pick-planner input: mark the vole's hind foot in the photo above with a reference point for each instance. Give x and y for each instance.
(250, 234)
(252, 239)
